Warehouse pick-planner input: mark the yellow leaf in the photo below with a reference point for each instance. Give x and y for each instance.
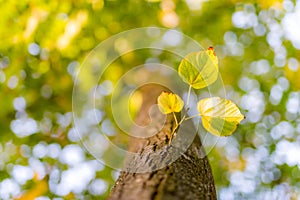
(169, 102)
(219, 116)
(293, 77)
(212, 55)
(199, 69)
(39, 189)
(267, 4)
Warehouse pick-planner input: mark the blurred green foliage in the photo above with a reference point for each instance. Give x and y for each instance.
(42, 43)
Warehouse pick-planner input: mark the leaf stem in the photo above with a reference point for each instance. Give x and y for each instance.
(184, 116)
(175, 118)
(174, 129)
(191, 117)
(188, 97)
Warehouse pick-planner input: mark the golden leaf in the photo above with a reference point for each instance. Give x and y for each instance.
(219, 116)
(169, 102)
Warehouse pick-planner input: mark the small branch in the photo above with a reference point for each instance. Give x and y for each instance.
(173, 133)
(191, 117)
(184, 116)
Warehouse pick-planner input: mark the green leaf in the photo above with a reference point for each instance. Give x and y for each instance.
(169, 102)
(199, 69)
(219, 116)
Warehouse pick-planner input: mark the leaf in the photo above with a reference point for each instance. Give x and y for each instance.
(267, 4)
(199, 69)
(219, 116)
(169, 102)
(293, 77)
(212, 55)
(37, 190)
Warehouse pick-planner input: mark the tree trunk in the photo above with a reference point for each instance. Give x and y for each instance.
(188, 177)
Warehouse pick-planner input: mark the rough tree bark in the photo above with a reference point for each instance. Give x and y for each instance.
(188, 177)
